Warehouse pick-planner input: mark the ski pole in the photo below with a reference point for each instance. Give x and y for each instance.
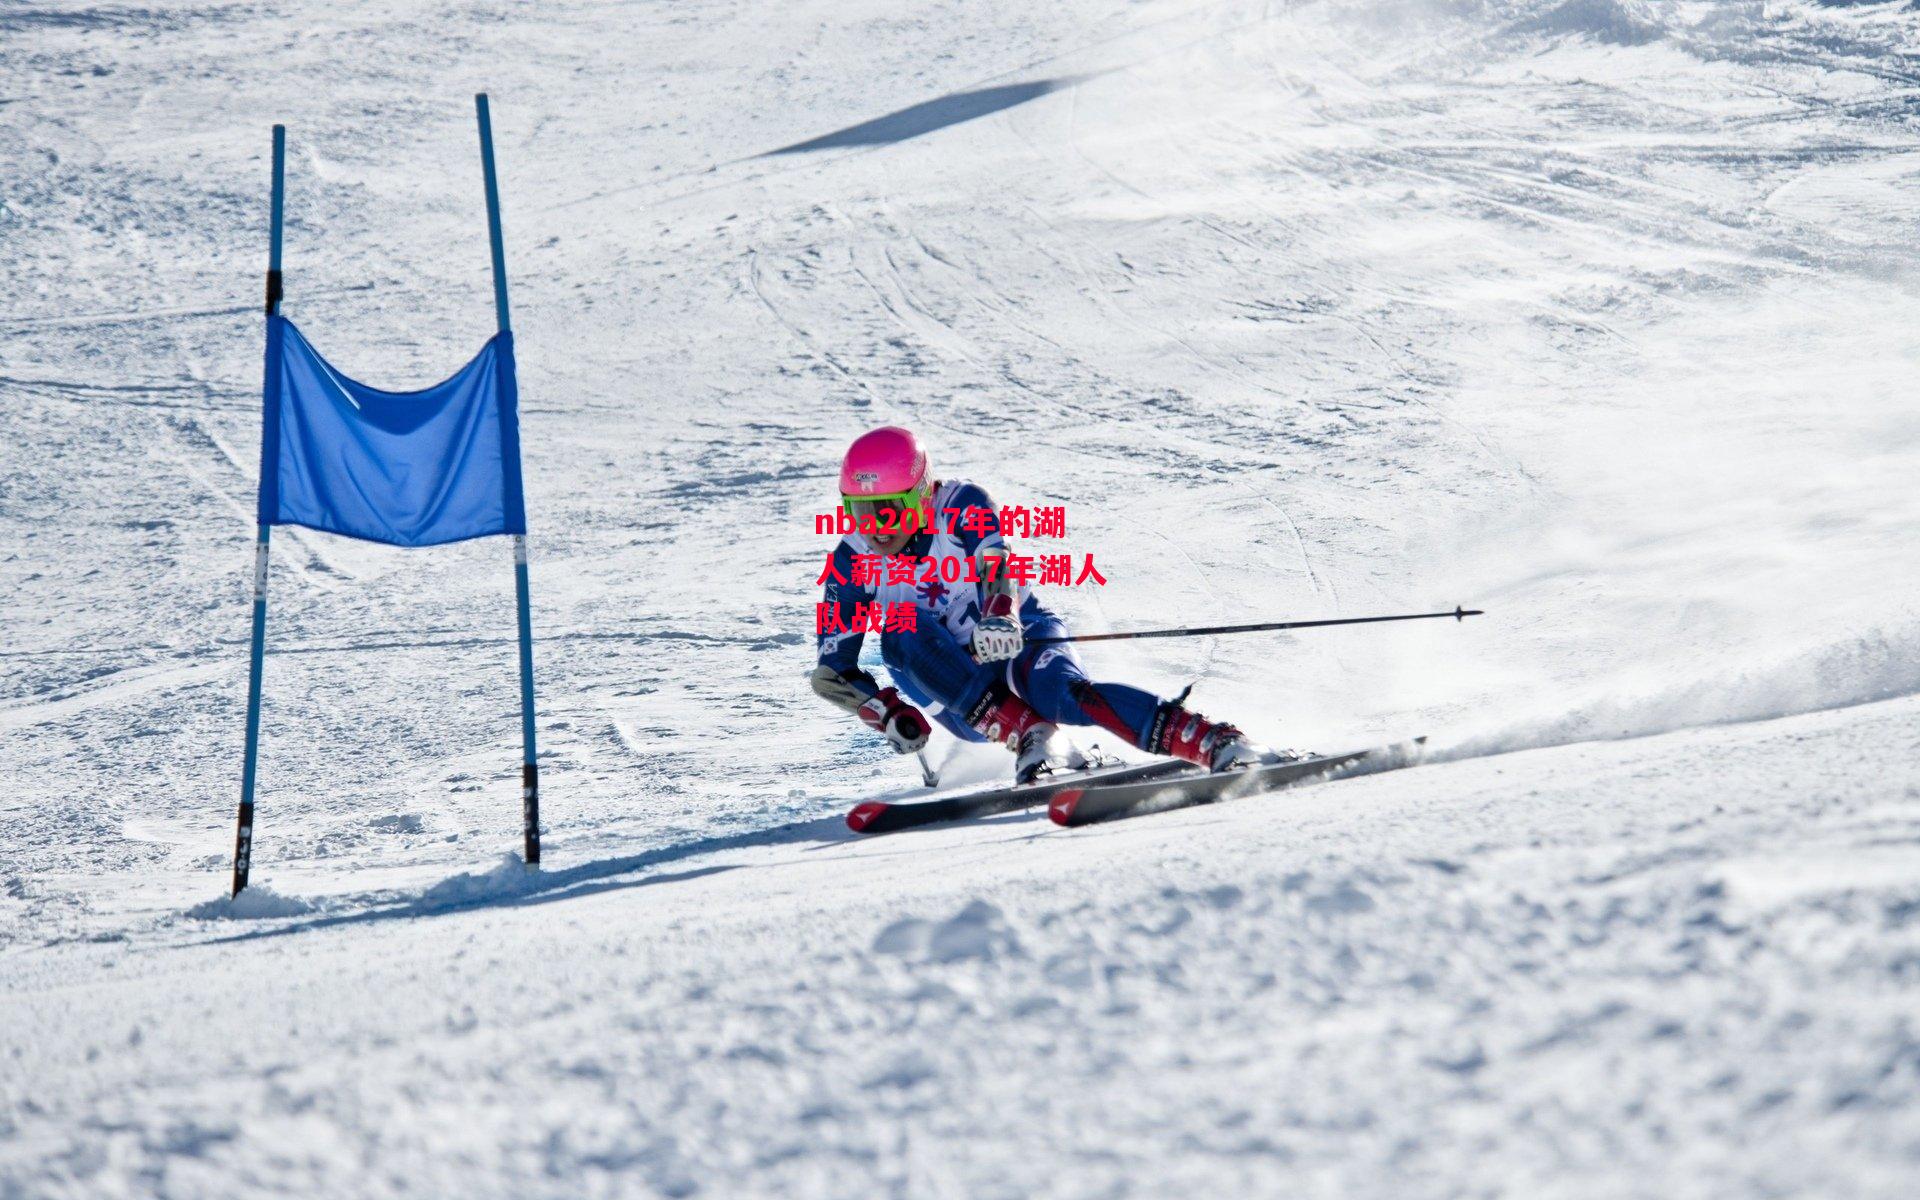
(1458, 614)
(928, 775)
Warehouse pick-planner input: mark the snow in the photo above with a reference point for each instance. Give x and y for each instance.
(1599, 315)
(254, 902)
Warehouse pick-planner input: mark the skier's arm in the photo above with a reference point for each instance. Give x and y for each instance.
(838, 679)
(879, 709)
(996, 635)
(995, 583)
(844, 689)
(839, 643)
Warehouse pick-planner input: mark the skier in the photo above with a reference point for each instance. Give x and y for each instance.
(969, 651)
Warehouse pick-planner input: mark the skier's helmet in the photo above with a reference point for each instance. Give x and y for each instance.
(885, 470)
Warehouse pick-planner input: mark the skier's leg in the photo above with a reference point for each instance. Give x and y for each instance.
(931, 667)
(1050, 678)
(929, 664)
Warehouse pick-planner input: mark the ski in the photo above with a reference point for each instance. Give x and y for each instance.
(883, 816)
(1091, 802)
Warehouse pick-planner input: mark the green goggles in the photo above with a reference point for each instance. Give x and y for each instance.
(894, 512)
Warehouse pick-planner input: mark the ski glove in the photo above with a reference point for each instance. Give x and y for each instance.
(906, 729)
(997, 636)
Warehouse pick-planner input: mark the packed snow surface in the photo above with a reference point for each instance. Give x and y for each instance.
(1598, 314)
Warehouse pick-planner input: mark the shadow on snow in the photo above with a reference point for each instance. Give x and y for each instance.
(513, 885)
(930, 115)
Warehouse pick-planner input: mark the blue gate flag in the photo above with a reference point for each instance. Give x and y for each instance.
(404, 468)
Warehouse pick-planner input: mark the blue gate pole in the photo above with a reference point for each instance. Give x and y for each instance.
(530, 767)
(243, 836)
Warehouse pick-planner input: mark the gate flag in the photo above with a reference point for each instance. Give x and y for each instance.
(405, 468)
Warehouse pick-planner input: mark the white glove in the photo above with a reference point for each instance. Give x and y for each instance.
(997, 636)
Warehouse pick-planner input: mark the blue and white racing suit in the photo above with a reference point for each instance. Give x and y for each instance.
(932, 666)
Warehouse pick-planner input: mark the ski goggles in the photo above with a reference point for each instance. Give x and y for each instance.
(894, 512)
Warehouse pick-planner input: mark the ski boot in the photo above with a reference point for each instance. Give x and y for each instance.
(1215, 745)
(1037, 745)
(1042, 751)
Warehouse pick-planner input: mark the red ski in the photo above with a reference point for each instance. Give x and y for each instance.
(881, 816)
(1091, 802)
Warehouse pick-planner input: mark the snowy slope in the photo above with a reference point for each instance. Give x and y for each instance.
(1599, 315)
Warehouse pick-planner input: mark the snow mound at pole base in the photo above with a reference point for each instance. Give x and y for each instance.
(257, 902)
(510, 878)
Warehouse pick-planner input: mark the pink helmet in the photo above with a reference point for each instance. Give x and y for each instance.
(885, 462)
